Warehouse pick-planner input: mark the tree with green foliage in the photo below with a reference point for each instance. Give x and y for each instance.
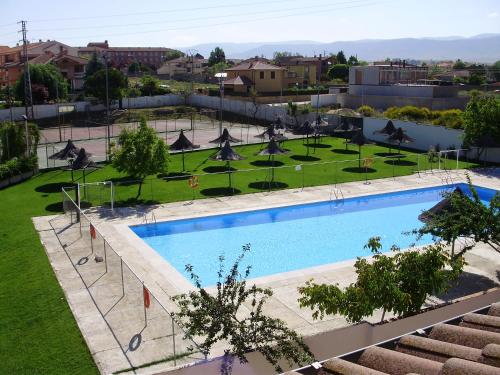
(218, 68)
(466, 217)
(137, 67)
(341, 59)
(48, 81)
(398, 283)
(459, 65)
(93, 66)
(140, 153)
(216, 56)
(477, 74)
(353, 61)
(292, 110)
(481, 120)
(150, 85)
(95, 84)
(223, 316)
(339, 71)
(13, 140)
(174, 54)
(496, 70)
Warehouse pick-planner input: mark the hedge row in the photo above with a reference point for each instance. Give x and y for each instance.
(17, 166)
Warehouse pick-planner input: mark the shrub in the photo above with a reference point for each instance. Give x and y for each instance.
(366, 110)
(451, 118)
(16, 166)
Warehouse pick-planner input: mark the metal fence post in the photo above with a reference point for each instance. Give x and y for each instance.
(173, 340)
(458, 152)
(144, 307)
(121, 270)
(105, 258)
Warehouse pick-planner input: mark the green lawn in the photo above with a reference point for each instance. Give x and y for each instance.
(38, 334)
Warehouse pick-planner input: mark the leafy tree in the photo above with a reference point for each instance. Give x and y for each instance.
(467, 217)
(292, 111)
(137, 67)
(140, 154)
(39, 93)
(339, 71)
(353, 60)
(46, 75)
(93, 66)
(13, 140)
(216, 56)
(150, 85)
(477, 74)
(481, 120)
(399, 283)
(254, 95)
(223, 316)
(496, 70)
(218, 68)
(459, 64)
(174, 54)
(341, 59)
(95, 85)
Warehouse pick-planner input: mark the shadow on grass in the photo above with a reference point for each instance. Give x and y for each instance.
(58, 206)
(125, 181)
(218, 169)
(265, 185)
(54, 187)
(359, 170)
(175, 176)
(400, 163)
(304, 158)
(267, 163)
(219, 191)
(317, 145)
(388, 154)
(134, 202)
(344, 151)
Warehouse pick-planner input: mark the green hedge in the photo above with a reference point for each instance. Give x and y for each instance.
(17, 166)
(451, 118)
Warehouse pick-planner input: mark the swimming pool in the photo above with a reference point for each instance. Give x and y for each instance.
(294, 237)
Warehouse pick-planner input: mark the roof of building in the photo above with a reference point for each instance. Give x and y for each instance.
(240, 80)
(468, 345)
(72, 58)
(255, 65)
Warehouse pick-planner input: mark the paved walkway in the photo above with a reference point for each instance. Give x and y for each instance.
(164, 281)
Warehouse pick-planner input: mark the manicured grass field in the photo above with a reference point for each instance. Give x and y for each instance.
(38, 334)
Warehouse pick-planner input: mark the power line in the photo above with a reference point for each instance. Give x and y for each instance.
(202, 18)
(281, 16)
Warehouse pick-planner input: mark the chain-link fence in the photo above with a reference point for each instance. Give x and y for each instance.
(145, 329)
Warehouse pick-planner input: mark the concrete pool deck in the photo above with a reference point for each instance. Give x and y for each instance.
(164, 281)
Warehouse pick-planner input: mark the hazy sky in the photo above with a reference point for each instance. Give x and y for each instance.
(179, 24)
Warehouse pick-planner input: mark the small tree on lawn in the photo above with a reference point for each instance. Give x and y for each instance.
(222, 316)
(95, 84)
(399, 283)
(141, 153)
(254, 95)
(292, 111)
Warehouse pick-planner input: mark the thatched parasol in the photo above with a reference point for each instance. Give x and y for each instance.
(227, 154)
(345, 128)
(388, 129)
(82, 162)
(360, 140)
(399, 136)
(225, 136)
(272, 150)
(181, 144)
(70, 151)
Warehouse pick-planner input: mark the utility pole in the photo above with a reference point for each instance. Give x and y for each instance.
(28, 97)
(107, 104)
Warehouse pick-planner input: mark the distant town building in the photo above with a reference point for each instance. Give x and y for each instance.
(258, 75)
(310, 68)
(121, 57)
(398, 84)
(184, 67)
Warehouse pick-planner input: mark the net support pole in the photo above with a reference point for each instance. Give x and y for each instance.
(458, 153)
(121, 271)
(112, 197)
(105, 257)
(173, 340)
(145, 309)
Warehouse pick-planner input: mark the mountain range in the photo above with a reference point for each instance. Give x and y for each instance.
(480, 48)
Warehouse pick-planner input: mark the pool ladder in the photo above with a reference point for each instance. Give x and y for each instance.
(337, 193)
(447, 179)
(153, 218)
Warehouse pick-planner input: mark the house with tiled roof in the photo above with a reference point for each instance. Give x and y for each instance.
(184, 67)
(257, 75)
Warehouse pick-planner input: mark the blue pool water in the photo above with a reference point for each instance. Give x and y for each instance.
(294, 237)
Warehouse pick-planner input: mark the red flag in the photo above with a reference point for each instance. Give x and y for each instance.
(147, 301)
(92, 232)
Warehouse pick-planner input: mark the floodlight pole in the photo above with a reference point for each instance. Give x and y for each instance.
(26, 135)
(107, 104)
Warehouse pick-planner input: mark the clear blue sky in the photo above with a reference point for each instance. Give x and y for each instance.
(184, 23)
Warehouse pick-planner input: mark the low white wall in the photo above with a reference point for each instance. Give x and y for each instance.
(324, 100)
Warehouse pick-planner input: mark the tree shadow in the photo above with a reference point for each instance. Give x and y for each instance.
(219, 191)
(468, 283)
(125, 181)
(344, 151)
(359, 170)
(54, 207)
(54, 187)
(387, 154)
(267, 163)
(218, 169)
(266, 185)
(134, 202)
(401, 163)
(175, 176)
(304, 158)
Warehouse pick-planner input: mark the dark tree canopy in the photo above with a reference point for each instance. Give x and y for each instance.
(216, 56)
(481, 120)
(459, 64)
(341, 59)
(93, 66)
(48, 82)
(353, 61)
(339, 71)
(95, 85)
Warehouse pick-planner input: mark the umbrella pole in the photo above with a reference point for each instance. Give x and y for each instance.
(272, 169)
(359, 156)
(183, 168)
(229, 173)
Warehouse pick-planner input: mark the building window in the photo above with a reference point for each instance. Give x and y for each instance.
(273, 75)
(261, 75)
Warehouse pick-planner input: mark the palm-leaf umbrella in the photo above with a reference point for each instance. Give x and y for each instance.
(225, 136)
(399, 136)
(70, 151)
(82, 162)
(360, 140)
(181, 144)
(345, 128)
(227, 154)
(272, 150)
(388, 129)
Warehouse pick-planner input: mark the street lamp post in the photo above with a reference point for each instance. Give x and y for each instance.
(26, 135)
(105, 57)
(221, 77)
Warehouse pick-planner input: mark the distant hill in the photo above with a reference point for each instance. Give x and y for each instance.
(479, 48)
